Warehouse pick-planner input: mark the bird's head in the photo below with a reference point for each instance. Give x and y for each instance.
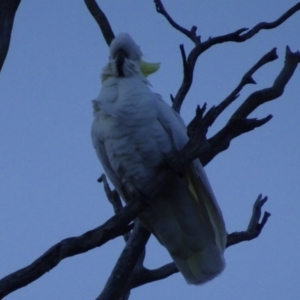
(126, 58)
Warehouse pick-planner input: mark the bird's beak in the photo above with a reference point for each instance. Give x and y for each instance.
(148, 68)
(120, 58)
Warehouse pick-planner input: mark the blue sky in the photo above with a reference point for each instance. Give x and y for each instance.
(48, 168)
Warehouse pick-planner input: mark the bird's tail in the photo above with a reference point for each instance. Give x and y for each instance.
(187, 220)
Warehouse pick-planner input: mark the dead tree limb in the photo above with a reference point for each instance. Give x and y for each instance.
(125, 264)
(114, 227)
(8, 9)
(239, 123)
(238, 36)
(101, 20)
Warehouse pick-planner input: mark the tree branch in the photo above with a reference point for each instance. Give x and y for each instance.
(125, 264)
(237, 36)
(239, 123)
(191, 34)
(254, 228)
(8, 9)
(114, 227)
(101, 20)
(214, 113)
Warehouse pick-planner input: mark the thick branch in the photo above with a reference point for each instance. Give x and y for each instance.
(239, 123)
(101, 20)
(125, 264)
(115, 226)
(8, 10)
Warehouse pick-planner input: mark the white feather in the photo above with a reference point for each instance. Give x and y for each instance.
(134, 132)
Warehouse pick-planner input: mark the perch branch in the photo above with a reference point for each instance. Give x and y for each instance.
(144, 276)
(101, 20)
(115, 226)
(8, 9)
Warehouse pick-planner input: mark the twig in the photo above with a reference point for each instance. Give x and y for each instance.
(101, 20)
(191, 34)
(183, 56)
(8, 9)
(254, 228)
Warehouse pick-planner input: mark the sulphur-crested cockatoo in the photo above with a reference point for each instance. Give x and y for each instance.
(135, 133)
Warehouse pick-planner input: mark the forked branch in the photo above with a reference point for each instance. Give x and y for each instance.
(238, 36)
(239, 123)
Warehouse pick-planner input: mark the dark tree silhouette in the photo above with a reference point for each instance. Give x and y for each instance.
(129, 271)
(8, 10)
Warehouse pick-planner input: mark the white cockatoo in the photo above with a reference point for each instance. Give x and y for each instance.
(135, 133)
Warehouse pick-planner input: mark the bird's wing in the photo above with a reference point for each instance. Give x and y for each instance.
(185, 217)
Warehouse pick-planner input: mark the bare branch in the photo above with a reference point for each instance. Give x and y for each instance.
(240, 35)
(239, 123)
(276, 90)
(215, 111)
(101, 20)
(271, 25)
(237, 36)
(8, 9)
(113, 228)
(144, 275)
(191, 34)
(254, 228)
(246, 79)
(125, 264)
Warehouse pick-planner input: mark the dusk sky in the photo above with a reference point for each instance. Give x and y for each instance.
(49, 169)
